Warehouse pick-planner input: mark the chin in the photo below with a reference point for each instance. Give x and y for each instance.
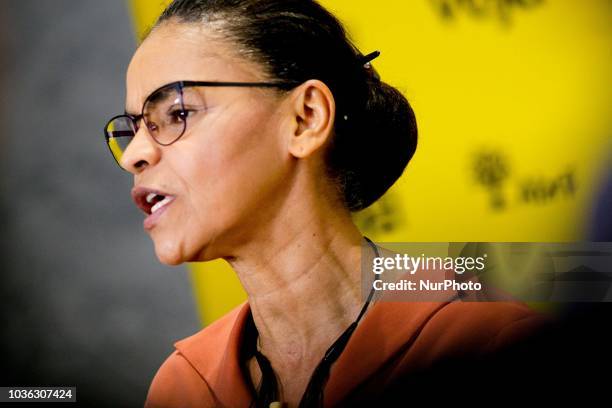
(169, 255)
(170, 261)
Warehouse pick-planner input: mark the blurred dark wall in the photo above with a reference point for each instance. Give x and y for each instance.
(85, 301)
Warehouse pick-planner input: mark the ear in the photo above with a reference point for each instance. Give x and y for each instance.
(313, 108)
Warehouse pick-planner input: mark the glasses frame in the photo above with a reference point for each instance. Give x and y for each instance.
(284, 85)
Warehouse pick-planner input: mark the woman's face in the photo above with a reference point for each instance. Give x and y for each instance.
(226, 171)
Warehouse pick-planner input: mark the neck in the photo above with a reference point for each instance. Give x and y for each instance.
(304, 288)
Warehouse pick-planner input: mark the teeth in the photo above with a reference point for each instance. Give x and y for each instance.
(150, 197)
(161, 203)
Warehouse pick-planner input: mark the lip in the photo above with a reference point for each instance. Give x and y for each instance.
(151, 220)
(139, 196)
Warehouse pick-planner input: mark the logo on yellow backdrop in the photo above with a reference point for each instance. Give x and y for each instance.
(503, 10)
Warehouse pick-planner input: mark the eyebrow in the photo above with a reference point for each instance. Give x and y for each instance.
(130, 113)
(155, 95)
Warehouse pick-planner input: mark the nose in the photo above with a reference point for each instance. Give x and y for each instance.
(141, 152)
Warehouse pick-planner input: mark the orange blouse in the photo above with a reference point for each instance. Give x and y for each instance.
(393, 338)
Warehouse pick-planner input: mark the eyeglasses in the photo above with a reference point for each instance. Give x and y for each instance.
(165, 113)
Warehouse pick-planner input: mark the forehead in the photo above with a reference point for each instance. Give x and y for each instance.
(175, 52)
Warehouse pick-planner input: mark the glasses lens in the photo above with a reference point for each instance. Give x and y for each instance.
(120, 132)
(164, 115)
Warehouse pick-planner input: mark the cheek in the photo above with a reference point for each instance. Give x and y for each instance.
(230, 165)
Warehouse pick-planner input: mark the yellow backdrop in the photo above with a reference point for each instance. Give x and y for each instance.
(513, 106)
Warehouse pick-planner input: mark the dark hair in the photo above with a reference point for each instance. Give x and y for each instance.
(297, 40)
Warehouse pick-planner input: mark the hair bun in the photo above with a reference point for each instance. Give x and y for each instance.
(370, 152)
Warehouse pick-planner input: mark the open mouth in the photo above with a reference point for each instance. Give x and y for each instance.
(157, 201)
(150, 201)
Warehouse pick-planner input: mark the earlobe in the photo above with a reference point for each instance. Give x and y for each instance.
(313, 109)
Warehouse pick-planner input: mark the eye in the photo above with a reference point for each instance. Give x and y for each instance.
(152, 126)
(181, 114)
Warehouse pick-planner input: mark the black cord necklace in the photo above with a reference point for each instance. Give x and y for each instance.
(313, 395)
